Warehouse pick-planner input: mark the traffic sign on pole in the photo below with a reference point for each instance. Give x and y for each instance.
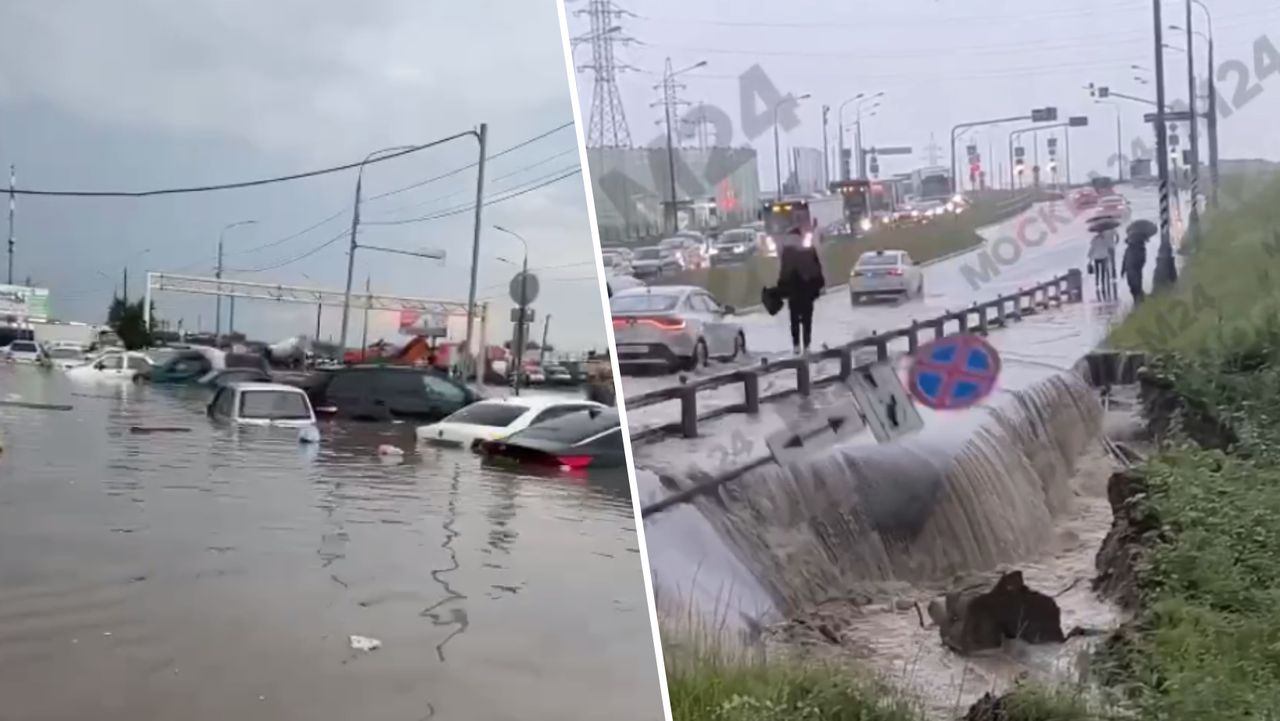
(523, 288)
(1170, 116)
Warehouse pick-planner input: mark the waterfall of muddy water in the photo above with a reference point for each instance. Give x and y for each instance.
(966, 495)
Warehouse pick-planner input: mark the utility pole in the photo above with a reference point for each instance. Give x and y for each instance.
(13, 179)
(217, 314)
(368, 301)
(1165, 271)
(319, 309)
(668, 100)
(1194, 229)
(126, 284)
(1213, 124)
(826, 152)
(522, 323)
(482, 136)
(542, 352)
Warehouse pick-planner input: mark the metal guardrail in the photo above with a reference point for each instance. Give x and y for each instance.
(978, 318)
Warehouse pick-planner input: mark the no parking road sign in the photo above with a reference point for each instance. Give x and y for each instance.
(954, 372)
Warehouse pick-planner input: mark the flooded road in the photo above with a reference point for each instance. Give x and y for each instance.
(220, 573)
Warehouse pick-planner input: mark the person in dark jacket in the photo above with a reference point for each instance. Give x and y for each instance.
(800, 282)
(1135, 257)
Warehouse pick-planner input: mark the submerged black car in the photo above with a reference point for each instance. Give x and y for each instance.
(384, 393)
(582, 440)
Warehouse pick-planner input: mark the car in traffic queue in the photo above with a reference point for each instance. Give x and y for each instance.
(674, 327)
(734, 246)
(578, 441)
(27, 352)
(615, 261)
(490, 420)
(615, 283)
(262, 404)
(558, 375)
(387, 393)
(113, 365)
(687, 250)
(885, 273)
(654, 262)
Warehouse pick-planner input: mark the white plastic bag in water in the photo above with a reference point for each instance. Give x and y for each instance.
(364, 643)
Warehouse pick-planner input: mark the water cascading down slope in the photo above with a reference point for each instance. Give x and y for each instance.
(969, 492)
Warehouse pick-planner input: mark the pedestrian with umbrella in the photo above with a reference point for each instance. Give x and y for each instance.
(1102, 254)
(1135, 255)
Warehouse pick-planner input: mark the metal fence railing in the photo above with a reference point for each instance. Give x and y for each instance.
(977, 318)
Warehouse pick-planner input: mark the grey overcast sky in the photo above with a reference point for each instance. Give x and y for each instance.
(940, 63)
(138, 94)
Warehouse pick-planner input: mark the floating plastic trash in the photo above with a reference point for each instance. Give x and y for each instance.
(364, 643)
(386, 449)
(309, 434)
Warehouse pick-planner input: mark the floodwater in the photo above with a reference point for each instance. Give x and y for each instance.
(220, 573)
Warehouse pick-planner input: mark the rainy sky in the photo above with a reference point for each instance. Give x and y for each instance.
(940, 63)
(140, 94)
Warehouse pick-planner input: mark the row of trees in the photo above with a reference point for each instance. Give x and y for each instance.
(128, 320)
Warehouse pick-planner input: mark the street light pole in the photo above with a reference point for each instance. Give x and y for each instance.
(231, 321)
(1165, 271)
(668, 100)
(1212, 115)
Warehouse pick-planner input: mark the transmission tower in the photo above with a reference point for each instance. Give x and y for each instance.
(607, 126)
(934, 150)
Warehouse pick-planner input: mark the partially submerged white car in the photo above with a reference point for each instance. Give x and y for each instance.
(114, 365)
(492, 420)
(262, 404)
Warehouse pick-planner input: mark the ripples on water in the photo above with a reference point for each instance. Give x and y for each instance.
(218, 573)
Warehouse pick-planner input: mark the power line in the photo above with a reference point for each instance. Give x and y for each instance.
(242, 184)
(295, 259)
(565, 173)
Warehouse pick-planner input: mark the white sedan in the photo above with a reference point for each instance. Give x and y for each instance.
(114, 365)
(23, 351)
(492, 420)
(885, 272)
(263, 404)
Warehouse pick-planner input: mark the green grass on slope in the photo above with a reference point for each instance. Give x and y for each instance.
(1229, 286)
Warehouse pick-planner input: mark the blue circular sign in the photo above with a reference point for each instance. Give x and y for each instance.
(954, 372)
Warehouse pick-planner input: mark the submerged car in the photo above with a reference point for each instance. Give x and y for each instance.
(494, 419)
(113, 365)
(66, 357)
(885, 272)
(192, 364)
(383, 393)
(24, 351)
(262, 404)
(673, 326)
(582, 440)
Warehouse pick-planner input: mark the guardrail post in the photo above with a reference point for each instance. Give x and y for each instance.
(963, 317)
(1017, 305)
(1055, 297)
(940, 327)
(846, 362)
(913, 336)
(1075, 285)
(803, 378)
(882, 348)
(982, 318)
(751, 392)
(689, 411)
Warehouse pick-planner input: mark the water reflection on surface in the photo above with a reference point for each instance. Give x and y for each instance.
(219, 573)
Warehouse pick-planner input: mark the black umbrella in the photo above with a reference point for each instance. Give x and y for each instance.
(1099, 225)
(1142, 228)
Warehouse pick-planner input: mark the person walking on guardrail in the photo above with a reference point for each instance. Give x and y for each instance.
(800, 281)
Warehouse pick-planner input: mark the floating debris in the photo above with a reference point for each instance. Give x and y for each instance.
(309, 434)
(35, 406)
(158, 429)
(364, 643)
(386, 449)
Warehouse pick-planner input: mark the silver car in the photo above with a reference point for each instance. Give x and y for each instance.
(673, 327)
(885, 272)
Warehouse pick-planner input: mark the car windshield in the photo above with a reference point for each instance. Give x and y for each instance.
(22, 346)
(648, 254)
(643, 303)
(274, 406)
(65, 353)
(672, 243)
(885, 260)
(570, 429)
(491, 414)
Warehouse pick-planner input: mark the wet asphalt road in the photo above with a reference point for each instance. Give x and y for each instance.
(219, 573)
(1045, 248)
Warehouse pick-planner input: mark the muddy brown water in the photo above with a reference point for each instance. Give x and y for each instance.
(219, 573)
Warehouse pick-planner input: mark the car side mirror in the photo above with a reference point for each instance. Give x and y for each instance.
(730, 310)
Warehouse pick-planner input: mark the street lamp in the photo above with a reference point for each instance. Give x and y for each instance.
(777, 151)
(231, 322)
(857, 140)
(521, 330)
(1211, 115)
(668, 99)
(859, 98)
(1119, 136)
